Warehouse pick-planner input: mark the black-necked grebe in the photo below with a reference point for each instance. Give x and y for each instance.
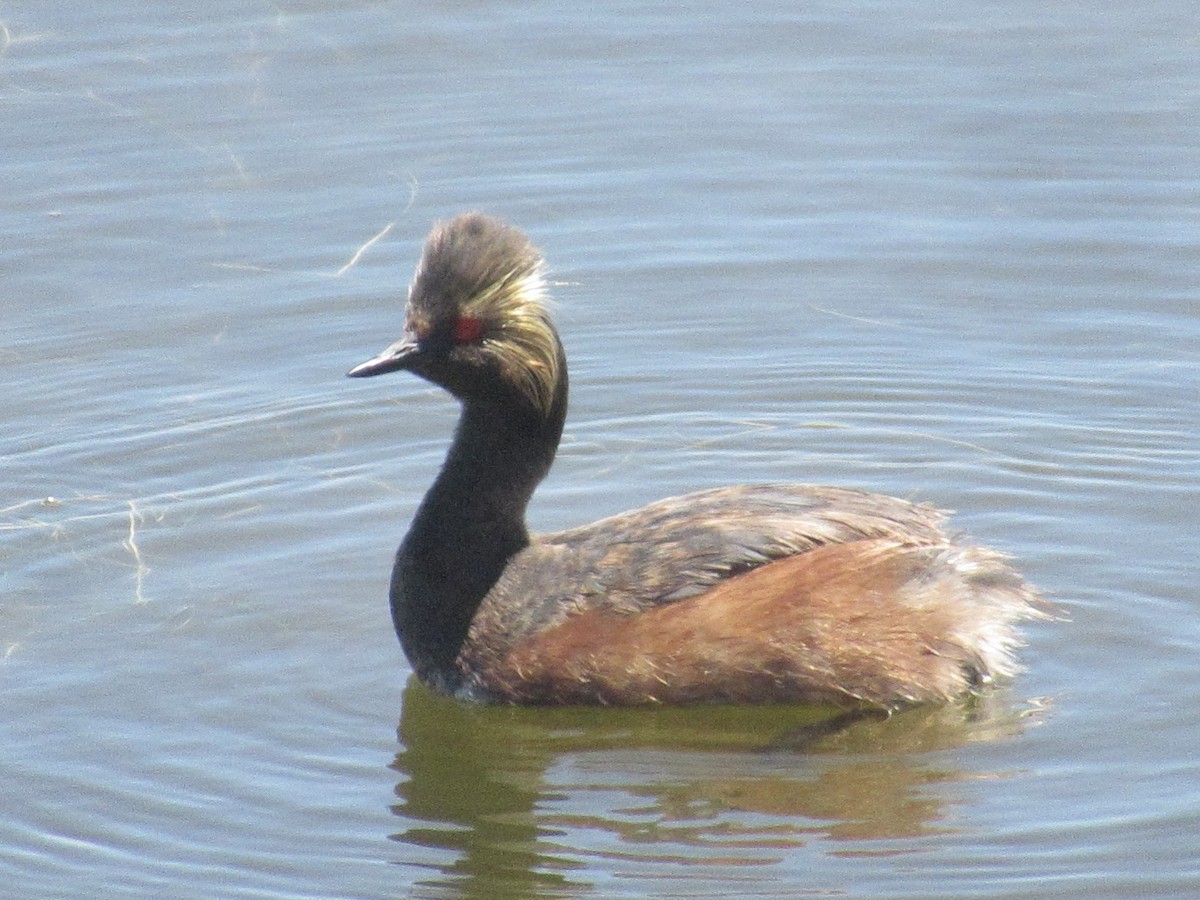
(748, 594)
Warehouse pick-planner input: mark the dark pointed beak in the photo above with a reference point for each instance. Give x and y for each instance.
(398, 356)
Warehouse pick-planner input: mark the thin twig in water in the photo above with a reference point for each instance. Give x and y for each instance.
(363, 249)
(8, 39)
(241, 267)
(132, 547)
(44, 501)
(842, 315)
(954, 442)
(237, 164)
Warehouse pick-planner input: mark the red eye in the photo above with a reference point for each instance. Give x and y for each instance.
(467, 330)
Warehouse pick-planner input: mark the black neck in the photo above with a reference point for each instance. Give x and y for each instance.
(469, 525)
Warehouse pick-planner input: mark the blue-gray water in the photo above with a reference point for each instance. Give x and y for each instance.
(942, 251)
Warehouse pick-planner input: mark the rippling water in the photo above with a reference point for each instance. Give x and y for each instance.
(942, 253)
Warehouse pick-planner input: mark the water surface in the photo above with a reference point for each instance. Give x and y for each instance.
(948, 254)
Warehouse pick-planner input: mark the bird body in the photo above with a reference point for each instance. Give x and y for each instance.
(749, 594)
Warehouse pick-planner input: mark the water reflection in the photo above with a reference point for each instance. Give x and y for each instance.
(515, 799)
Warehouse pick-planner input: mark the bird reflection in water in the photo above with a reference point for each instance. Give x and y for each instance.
(523, 801)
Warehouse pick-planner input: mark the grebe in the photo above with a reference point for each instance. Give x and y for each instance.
(751, 594)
